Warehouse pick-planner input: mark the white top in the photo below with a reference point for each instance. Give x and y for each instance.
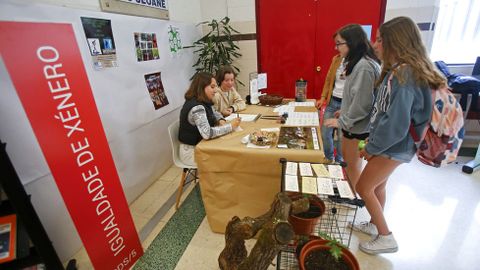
(339, 80)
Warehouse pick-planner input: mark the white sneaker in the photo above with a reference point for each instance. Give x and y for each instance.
(380, 244)
(364, 227)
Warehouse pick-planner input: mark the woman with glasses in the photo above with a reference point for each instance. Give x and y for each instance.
(362, 69)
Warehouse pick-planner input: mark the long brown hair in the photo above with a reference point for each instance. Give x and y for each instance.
(197, 87)
(402, 44)
(358, 45)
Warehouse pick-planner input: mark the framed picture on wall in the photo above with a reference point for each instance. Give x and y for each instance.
(8, 237)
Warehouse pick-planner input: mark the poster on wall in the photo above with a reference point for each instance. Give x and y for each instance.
(146, 46)
(174, 40)
(156, 90)
(100, 42)
(59, 104)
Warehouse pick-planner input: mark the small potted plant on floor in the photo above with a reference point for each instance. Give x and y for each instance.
(326, 253)
(304, 223)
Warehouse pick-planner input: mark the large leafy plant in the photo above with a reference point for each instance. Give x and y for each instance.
(217, 47)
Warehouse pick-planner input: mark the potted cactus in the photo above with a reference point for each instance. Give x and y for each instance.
(326, 253)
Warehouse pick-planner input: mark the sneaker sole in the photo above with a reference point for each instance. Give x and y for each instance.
(358, 230)
(378, 251)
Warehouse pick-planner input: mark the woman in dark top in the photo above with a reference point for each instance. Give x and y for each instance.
(198, 118)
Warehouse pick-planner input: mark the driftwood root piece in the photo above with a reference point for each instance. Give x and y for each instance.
(275, 233)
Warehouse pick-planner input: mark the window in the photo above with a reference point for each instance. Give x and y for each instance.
(457, 32)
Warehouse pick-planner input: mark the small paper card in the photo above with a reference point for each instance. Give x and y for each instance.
(344, 189)
(309, 185)
(336, 171)
(320, 170)
(316, 145)
(305, 169)
(291, 168)
(325, 186)
(291, 183)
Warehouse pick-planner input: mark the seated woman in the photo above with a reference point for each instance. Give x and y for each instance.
(198, 119)
(226, 99)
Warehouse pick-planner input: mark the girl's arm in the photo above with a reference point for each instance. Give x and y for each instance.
(198, 117)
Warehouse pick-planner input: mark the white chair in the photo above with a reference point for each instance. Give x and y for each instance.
(188, 170)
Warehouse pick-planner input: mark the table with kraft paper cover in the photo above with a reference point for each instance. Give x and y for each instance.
(240, 181)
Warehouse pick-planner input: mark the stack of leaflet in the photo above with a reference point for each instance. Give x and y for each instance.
(318, 179)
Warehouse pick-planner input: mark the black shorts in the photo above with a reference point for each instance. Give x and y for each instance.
(350, 135)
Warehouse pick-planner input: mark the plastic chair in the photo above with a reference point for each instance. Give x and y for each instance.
(188, 170)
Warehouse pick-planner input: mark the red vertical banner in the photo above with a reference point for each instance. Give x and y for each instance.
(47, 70)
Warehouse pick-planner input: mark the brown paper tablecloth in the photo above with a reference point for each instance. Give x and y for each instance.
(240, 181)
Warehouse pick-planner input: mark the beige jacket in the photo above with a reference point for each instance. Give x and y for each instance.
(330, 79)
(224, 100)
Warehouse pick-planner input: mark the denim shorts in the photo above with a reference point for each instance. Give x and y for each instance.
(404, 157)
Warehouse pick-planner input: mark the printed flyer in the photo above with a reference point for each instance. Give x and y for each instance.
(155, 90)
(100, 42)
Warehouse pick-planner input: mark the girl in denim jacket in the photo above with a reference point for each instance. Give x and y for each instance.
(404, 101)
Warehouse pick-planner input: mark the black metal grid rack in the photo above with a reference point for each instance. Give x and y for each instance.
(339, 213)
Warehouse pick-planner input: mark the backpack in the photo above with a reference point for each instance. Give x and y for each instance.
(439, 143)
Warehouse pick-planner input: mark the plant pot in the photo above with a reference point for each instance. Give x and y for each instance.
(308, 261)
(300, 244)
(304, 223)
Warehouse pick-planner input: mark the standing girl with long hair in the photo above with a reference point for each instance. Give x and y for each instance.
(403, 100)
(362, 69)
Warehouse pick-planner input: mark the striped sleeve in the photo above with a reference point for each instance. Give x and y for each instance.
(198, 117)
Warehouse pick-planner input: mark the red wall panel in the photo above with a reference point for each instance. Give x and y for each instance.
(293, 38)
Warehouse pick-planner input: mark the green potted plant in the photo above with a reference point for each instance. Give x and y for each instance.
(216, 48)
(325, 252)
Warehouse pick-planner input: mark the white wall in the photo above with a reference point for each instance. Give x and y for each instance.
(136, 133)
(242, 15)
(421, 11)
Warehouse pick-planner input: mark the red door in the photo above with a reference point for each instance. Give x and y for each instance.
(286, 49)
(295, 40)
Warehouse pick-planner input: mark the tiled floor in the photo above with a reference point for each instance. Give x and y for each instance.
(434, 214)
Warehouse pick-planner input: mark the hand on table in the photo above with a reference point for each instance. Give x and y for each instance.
(236, 122)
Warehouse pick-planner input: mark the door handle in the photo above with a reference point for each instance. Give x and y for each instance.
(319, 68)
